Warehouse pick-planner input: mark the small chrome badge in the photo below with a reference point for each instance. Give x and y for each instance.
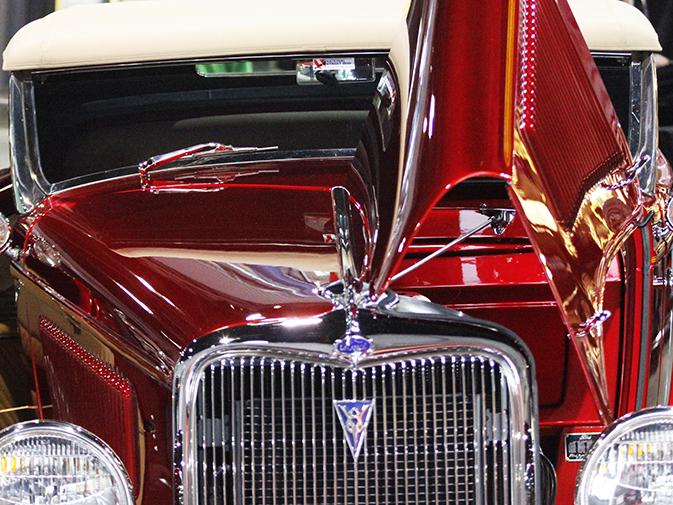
(354, 416)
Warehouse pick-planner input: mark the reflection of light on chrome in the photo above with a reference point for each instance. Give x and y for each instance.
(226, 341)
(298, 323)
(254, 317)
(431, 128)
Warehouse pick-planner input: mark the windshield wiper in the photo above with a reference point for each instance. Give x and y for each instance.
(211, 148)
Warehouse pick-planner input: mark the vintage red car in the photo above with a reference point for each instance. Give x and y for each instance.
(370, 252)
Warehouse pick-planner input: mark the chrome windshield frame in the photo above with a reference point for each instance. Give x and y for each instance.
(31, 186)
(643, 134)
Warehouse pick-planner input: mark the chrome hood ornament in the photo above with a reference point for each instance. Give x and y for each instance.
(354, 416)
(350, 294)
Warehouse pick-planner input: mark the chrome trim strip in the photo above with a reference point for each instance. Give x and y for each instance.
(223, 346)
(30, 185)
(645, 335)
(661, 349)
(643, 127)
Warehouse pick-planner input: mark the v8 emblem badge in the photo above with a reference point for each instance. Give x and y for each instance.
(354, 416)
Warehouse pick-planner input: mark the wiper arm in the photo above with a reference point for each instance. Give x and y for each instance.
(160, 160)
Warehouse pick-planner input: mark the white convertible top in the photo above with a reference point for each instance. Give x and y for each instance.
(129, 32)
(613, 25)
(156, 30)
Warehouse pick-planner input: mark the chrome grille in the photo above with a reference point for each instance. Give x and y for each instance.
(267, 432)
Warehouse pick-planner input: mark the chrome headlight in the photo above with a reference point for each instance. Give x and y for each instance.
(59, 463)
(632, 462)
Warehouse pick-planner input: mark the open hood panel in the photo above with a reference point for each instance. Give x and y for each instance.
(503, 113)
(571, 177)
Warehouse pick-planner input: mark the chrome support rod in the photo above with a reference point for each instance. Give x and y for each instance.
(445, 248)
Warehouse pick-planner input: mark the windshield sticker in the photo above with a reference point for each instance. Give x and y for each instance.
(333, 64)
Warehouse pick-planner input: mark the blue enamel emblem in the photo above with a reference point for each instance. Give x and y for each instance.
(353, 345)
(354, 416)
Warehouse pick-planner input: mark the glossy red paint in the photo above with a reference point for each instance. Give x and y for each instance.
(570, 165)
(230, 245)
(154, 270)
(500, 279)
(87, 392)
(638, 264)
(170, 260)
(567, 471)
(461, 119)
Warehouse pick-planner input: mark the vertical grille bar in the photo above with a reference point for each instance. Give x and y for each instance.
(356, 475)
(262, 413)
(335, 427)
(253, 483)
(396, 477)
(313, 436)
(454, 400)
(494, 422)
(484, 424)
(366, 395)
(241, 429)
(234, 460)
(302, 413)
(345, 448)
(324, 434)
(435, 428)
(204, 463)
(293, 428)
(386, 455)
(376, 440)
(426, 448)
(464, 450)
(285, 462)
(414, 396)
(273, 431)
(438, 434)
(477, 433)
(445, 417)
(405, 425)
(504, 436)
(223, 433)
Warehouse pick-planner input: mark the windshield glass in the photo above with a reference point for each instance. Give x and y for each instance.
(90, 122)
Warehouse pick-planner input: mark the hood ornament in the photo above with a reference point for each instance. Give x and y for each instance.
(348, 294)
(354, 416)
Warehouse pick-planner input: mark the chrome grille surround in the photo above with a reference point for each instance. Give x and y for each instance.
(390, 350)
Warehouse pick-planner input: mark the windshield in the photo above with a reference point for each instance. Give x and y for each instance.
(93, 122)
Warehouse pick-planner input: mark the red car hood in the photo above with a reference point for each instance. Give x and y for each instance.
(177, 265)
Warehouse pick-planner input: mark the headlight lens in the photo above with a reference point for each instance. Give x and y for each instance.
(59, 463)
(632, 462)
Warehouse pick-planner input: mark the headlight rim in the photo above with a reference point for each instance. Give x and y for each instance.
(628, 422)
(98, 447)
